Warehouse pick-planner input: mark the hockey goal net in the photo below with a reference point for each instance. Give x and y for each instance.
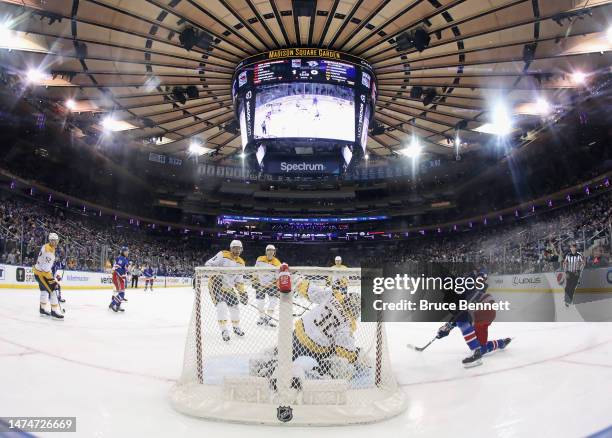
(304, 357)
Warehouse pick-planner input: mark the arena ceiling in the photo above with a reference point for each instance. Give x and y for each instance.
(123, 58)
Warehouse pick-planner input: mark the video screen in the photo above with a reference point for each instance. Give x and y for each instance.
(305, 70)
(243, 126)
(305, 110)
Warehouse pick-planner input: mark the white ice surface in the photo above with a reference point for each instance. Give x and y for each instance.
(113, 372)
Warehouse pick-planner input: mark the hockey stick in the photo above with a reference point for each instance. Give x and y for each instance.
(414, 347)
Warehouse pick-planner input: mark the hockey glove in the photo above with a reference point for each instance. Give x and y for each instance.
(444, 330)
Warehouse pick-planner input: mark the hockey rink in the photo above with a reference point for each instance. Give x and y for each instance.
(113, 372)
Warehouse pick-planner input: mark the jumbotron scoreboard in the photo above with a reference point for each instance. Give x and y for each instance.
(304, 111)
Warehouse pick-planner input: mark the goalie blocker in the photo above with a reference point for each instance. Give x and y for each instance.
(270, 377)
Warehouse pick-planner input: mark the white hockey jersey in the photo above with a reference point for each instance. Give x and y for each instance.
(227, 260)
(46, 258)
(338, 277)
(328, 328)
(267, 278)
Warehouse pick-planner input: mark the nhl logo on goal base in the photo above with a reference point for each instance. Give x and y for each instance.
(284, 413)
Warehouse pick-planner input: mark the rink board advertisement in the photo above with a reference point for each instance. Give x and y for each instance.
(437, 292)
(21, 277)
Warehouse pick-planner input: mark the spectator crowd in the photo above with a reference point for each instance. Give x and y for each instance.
(89, 242)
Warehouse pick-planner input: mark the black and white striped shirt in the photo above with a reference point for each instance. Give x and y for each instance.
(573, 262)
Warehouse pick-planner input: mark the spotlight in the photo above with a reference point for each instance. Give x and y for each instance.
(421, 39)
(178, 94)
(416, 92)
(108, 123)
(366, 156)
(190, 37)
(579, 77)
(242, 155)
(377, 129)
(35, 75)
(404, 42)
(70, 104)
(192, 92)
(418, 38)
(6, 33)
(232, 127)
(195, 148)
(429, 97)
(412, 151)
(529, 53)
(542, 106)
(501, 120)
(461, 124)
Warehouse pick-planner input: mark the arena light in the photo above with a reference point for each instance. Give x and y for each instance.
(70, 104)
(579, 77)
(6, 32)
(501, 121)
(366, 156)
(242, 155)
(542, 106)
(35, 76)
(413, 150)
(195, 148)
(109, 124)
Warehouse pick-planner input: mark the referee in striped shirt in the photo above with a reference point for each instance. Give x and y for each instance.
(573, 264)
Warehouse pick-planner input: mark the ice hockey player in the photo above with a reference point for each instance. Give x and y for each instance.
(58, 266)
(149, 276)
(265, 284)
(338, 263)
(228, 290)
(120, 271)
(325, 334)
(338, 281)
(46, 282)
(475, 326)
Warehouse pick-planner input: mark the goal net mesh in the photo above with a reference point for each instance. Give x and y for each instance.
(256, 355)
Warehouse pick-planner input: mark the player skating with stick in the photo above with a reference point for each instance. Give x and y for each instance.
(474, 326)
(120, 271)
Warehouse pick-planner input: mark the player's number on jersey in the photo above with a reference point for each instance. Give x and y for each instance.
(327, 321)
